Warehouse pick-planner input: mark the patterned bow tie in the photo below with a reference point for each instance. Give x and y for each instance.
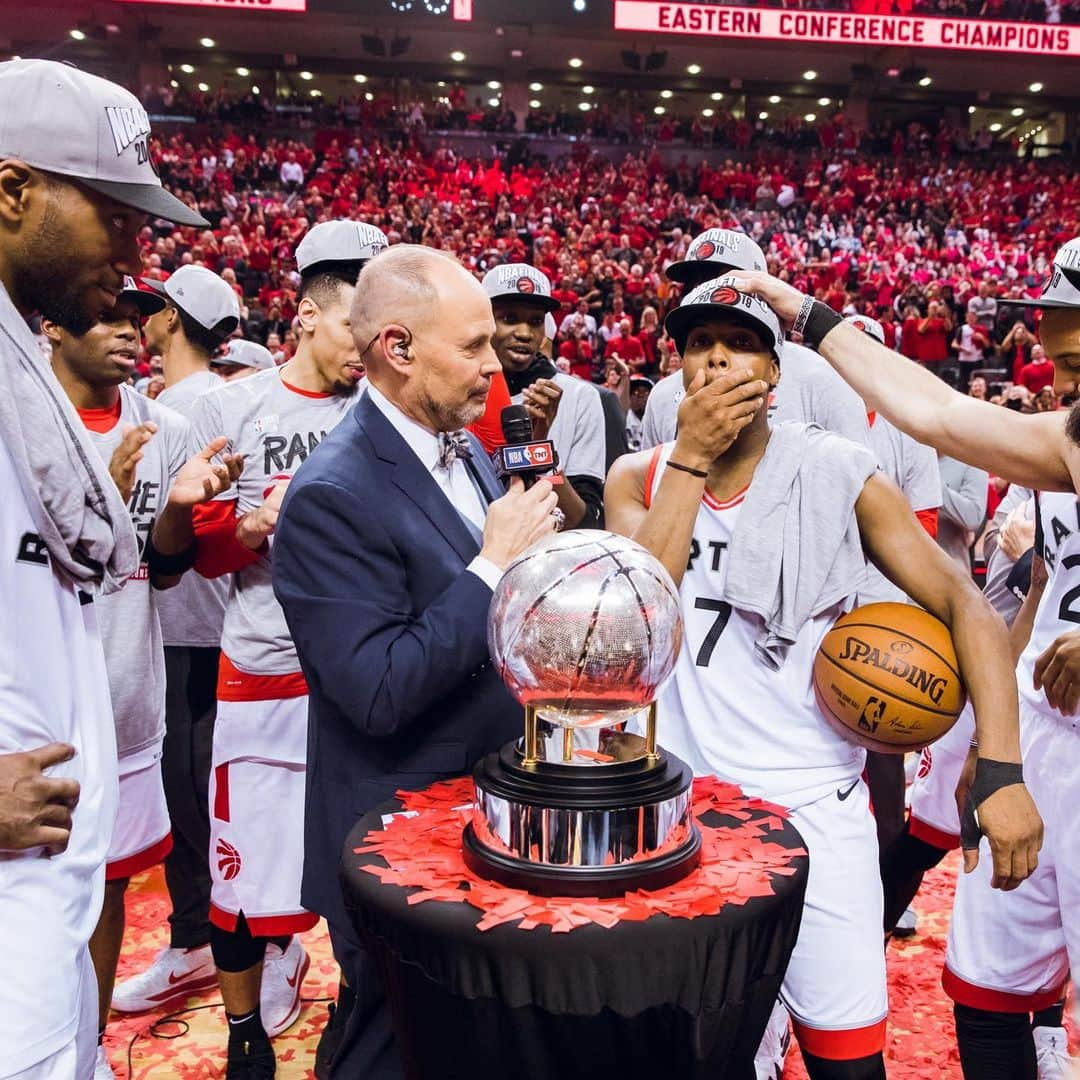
(453, 444)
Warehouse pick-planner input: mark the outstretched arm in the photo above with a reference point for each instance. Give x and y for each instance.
(1031, 450)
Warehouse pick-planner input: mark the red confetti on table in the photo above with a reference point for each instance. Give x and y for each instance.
(423, 851)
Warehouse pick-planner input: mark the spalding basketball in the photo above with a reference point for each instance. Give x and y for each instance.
(887, 676)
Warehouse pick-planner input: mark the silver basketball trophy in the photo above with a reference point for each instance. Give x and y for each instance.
(584, 629)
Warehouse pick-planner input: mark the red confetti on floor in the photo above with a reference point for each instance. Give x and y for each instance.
(921, 1043)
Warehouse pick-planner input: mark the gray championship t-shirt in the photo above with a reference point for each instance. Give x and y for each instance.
(130, 627)
(275, 427)
(193, 612)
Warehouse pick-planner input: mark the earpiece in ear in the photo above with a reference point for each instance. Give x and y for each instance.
(402, 350)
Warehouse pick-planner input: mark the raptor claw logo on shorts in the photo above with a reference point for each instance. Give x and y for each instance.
(926, 763)
(706, 250)
(724, 295)
(526, 285)
(229, 863)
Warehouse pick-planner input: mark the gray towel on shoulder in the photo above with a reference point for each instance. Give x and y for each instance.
(797, 551)
(76, 507)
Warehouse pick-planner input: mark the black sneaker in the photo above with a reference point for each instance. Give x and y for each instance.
(250, 1061)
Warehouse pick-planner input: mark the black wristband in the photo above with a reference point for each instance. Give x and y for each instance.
(699, 473)
(821, 320)
(990, 777)
(161, 565)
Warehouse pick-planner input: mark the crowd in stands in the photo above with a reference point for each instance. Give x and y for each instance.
(932, 246)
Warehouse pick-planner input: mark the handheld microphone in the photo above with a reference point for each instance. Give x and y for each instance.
(522, 455)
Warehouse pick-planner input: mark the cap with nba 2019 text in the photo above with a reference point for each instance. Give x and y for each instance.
(342, 241)
(76, 125)
(1063, 288)
(519, 281)
(721, 298)
(714, 252)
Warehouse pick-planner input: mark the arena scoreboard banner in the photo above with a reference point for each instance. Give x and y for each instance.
(231, 5)
(837, 27)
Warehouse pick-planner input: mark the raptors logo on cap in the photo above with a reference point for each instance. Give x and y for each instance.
(724, 295)
(526, 285)
(706, 250)
(858, 324)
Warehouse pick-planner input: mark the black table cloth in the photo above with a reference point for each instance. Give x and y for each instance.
(662, 997)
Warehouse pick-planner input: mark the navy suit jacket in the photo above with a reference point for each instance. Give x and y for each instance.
(369, 565)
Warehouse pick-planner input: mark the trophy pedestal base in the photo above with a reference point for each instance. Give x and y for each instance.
(559, 830)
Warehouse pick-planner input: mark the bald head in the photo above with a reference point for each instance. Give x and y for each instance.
(424, 328)
(408, 285)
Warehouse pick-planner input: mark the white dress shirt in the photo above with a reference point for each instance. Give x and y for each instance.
(454, 482)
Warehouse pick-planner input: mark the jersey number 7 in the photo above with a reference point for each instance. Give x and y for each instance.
(723, 613)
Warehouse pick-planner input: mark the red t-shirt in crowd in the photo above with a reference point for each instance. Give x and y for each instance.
(931, 344)
(1036, 375)
(628, 348)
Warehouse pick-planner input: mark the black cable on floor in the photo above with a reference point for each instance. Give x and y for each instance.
(155, 1030)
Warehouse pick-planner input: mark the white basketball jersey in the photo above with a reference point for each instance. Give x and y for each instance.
(725, 712)
(1058, 541)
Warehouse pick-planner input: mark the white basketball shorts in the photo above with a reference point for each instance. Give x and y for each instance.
(1012, 951)
(141, 836)
(76, 1060)
(934, 817)
(835, 984)
(257, 833)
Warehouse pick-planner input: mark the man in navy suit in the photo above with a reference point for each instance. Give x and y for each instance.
(391, 539)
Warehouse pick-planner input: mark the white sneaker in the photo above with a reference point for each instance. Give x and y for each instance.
(102, 1069)
(282, 980)
(174, 976)
(775, 1043)
(1052, 1053)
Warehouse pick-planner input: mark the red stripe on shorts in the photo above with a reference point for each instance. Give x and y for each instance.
(221, 792)
(844, 1045)
(140, 861)
(934, 837)
(981, 997)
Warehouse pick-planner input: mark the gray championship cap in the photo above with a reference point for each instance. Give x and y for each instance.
(243, 353)
(1063, 288)
(720, 298)
(64, 121)
(203, 296)
(713, 253)
(339, 242)
(868, 326)
(148, 303)
(520, 281)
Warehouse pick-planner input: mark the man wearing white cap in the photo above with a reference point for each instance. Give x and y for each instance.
(76, 186)
(715, 506)
(807, 390)
(146, 447)
(995, 990)
(275, 419)
(563, 408)
(241, 359)
(195, 311)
